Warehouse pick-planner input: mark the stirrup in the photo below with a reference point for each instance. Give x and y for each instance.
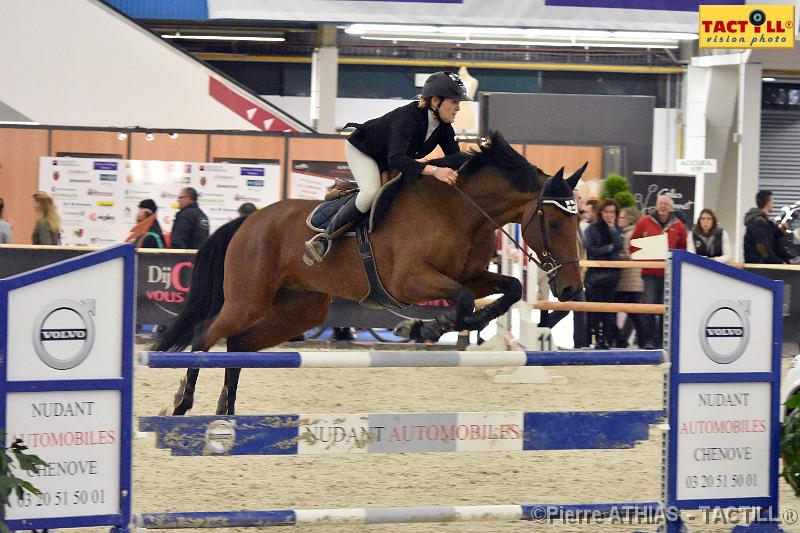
(316, 249)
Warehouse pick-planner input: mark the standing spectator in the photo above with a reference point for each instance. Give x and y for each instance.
(247, 209)
(48, 223)
(708, 239)
(603, 243)
(190, 228)
(630, 286)
(588, 214)
(5, 227)
(762, 239)
(662, 221)
(153, 237)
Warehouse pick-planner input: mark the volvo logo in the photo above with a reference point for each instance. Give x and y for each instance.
(63, 333)
(725, 330)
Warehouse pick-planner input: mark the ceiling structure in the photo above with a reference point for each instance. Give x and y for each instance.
(295, 42)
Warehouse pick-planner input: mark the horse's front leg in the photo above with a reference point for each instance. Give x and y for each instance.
(485, 284)
(432, 286)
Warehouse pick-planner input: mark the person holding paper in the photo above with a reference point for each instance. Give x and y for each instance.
(663, 221)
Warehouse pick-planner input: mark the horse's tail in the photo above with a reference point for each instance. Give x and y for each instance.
(206, 294)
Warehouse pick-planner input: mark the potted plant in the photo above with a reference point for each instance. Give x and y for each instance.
(9, 483)
(790, 443)
(617, 188)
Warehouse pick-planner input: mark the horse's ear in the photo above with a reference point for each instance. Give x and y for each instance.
(558, 175)
(572, 181)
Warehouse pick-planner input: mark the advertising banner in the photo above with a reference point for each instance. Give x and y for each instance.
(98, 199)
(648, 186)
(310, 180)
(724, 337)
(66, 366)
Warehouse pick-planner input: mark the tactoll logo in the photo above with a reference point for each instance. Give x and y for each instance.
(746, 26)
(725, 330)
(63, 333)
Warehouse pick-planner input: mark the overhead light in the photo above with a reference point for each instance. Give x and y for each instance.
(149, 136)
(767, 79)
(122, 136)
(173, 135)
(519, 36)
(224, 38)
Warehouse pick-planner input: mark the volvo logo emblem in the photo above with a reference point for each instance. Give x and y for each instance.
(63, 333)
(725, 330)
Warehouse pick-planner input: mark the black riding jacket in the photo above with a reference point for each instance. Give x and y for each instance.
(397, 139)
(190, 228)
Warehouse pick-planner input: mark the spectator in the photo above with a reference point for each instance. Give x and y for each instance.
(588, 214)
(5, 227)
(603, 243)
(630, 286)
(152, 237)
(48, 223)
(190, 228)
(708, 239)
(762, 238)
(247, 209)
(662, 221)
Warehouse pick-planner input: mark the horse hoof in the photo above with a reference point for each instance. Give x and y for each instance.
(408, 328)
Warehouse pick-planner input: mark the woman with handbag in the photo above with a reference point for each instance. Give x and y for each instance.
(603, 241)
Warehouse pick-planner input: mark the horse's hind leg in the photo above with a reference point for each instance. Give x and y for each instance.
(292, 314)
(184, 398)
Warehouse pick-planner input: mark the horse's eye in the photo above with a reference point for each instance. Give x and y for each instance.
(554, 224)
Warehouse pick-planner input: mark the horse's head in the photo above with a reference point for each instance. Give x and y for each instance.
(543, 204)
(551, 229)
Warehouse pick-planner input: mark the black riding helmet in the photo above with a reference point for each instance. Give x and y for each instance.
(445, 85)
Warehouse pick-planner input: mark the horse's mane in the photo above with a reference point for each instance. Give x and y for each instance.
(497, 152)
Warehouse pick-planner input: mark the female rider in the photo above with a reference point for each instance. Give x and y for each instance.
(397, 141)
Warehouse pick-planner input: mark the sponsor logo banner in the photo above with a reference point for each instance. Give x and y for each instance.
(746, 26)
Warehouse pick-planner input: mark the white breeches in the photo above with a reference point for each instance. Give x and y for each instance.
(367, 174)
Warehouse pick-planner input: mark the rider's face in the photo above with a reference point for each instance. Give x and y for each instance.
(447, 109)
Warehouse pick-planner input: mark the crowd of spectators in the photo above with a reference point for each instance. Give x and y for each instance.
(605, 233)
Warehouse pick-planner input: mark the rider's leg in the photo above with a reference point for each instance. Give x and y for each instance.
(368, 177)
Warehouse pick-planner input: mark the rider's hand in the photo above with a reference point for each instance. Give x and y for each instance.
(446, 175)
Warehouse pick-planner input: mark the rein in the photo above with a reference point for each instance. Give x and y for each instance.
(548, 264)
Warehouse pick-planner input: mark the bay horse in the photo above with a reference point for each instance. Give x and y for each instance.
(251, 286)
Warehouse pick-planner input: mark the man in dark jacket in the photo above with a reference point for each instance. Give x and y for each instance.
(762, 239)
(190, 228)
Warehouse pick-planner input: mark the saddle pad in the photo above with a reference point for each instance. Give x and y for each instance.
(322, 214)
(383, 201)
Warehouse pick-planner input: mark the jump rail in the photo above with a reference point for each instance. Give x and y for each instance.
(601, 307)
(314, 434)
(397, 359)
(394, 515)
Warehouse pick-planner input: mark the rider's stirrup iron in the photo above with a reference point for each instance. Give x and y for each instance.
(316, 249)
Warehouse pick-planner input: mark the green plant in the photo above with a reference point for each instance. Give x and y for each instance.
(790, 443)
(618, 188)
(8, 481)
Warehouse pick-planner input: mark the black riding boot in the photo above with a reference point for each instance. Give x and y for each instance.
(317, 247)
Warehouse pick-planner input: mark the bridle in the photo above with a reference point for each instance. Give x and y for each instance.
(548, 263)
